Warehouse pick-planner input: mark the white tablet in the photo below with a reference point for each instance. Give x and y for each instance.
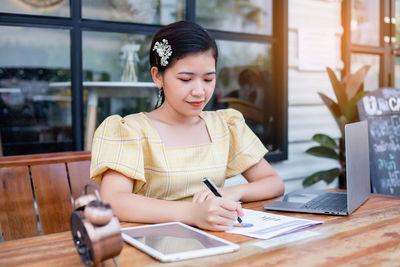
(175, 241)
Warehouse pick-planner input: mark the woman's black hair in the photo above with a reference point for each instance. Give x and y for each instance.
(185, 38)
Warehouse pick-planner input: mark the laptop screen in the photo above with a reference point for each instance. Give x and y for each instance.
(357, 164)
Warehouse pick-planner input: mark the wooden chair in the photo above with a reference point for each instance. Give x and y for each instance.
(248, 109)
(36, 192)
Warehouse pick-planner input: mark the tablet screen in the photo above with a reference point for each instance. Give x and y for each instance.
(175, 241)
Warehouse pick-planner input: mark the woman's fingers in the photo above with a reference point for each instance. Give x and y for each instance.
(216, 213)
(224, 210)
(202, 196)
(239, 210)
(230, 204)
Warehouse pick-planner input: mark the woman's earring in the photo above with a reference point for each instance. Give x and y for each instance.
(159, 98)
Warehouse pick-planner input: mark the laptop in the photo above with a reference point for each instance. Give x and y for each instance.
(336, 203)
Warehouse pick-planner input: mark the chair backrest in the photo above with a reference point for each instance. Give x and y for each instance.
(37, 192)
(248, 109)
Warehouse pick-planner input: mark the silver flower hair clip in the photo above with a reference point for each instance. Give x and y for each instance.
(164, 51)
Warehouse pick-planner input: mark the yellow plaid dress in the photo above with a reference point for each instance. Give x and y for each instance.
(133, 147)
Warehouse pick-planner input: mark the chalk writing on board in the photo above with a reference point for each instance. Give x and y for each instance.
(381, 108)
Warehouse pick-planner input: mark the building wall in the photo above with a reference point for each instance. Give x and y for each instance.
(321, 20)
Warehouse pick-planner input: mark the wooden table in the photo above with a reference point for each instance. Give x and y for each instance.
(369, 237)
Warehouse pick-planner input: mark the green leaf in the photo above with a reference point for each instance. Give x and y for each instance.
(355, 81)
(351, 107)
(323, 152)
(333, 108)
(328, 176)
(332, 105)
(338, 88)
(325, 140)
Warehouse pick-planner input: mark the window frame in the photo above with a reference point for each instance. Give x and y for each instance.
(76, 25)
(384, 50)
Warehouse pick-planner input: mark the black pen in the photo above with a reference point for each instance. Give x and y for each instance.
(214, 189)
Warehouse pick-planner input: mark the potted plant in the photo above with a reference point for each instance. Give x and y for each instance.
(344, 111)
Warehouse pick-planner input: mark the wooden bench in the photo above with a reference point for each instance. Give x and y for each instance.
(37, 192)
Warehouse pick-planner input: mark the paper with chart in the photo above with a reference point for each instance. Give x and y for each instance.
(264, 225)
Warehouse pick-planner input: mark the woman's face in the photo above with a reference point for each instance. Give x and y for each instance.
(189, 83)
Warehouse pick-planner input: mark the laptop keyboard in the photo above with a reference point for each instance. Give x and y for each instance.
(328, 201)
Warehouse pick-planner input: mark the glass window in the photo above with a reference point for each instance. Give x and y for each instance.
(149, 11)
(397, 16)
(108, 55)
(35, 74)
(117, 79)
(250, 16)
(34, 116)
(397, 46)
(59, 8)
(243, 83)
(397, 73)
(371, 81)
(365, 26)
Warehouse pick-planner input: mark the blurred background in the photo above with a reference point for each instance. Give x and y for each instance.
(65, 65)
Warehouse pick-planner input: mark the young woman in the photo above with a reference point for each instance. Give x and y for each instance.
(146, 162)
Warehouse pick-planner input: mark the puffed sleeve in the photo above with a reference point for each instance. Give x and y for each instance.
(117, 146)
(245, 148)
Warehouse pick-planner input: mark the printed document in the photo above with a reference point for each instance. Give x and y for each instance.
(264, 225)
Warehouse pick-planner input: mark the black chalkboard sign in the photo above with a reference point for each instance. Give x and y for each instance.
(381, 108)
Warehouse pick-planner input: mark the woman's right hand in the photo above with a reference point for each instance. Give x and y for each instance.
(215, 214)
